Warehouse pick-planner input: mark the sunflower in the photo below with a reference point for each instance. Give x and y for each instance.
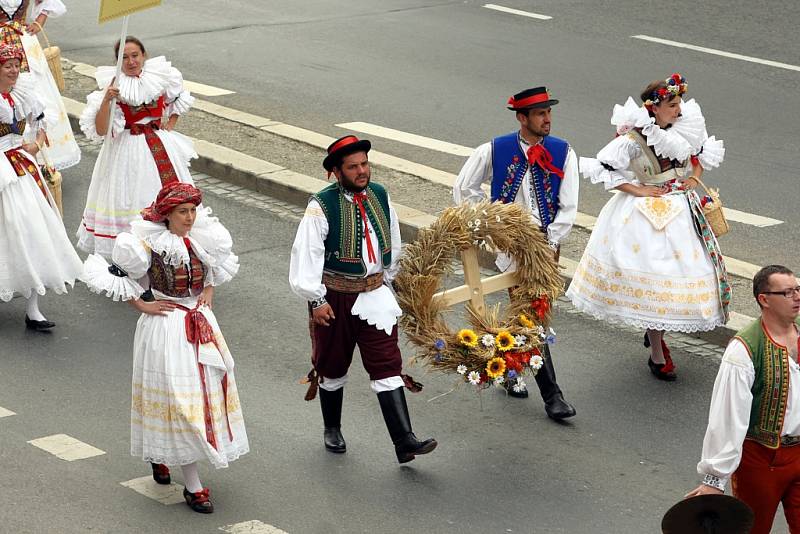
(504, 341)
(468, 338)
(496, 367)
(524, 321)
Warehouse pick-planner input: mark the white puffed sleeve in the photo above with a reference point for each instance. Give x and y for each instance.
(728, 416)
(711, 153)
(394, 223)
(179, 100)
(474, 173)
(130, 261)
(217, 243)
(52, 8)
(87, 119)
(612, 163)
(308, 254)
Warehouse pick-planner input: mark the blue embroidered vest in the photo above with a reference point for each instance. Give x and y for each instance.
(509, 164)
(346, 229)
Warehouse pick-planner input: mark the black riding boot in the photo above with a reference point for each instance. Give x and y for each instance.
(395, 413)
(331, 403)
(554, 404)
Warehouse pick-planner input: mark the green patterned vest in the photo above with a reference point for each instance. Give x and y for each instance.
(771, 385)
(346, 229)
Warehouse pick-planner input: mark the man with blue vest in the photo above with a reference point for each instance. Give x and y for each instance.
(753, 434)
(344, 257)
(540, 172)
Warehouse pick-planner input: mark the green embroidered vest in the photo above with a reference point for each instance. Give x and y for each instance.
(346, 229)
(771, 385)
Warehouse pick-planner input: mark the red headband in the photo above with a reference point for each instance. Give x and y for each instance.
(171, 195)
(530, 101)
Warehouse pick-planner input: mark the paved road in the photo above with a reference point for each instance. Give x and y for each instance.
(502, 466)
(444, 69)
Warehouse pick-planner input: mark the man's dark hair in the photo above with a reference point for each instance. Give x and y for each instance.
(761, 279)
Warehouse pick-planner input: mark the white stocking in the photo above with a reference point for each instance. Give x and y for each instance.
(33, 308)
(656, 352)
(191, 478)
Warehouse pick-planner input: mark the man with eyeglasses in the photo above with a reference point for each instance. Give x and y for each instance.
(753, 435)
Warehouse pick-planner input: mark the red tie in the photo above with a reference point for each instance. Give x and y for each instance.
(359, 199)
(540, 155)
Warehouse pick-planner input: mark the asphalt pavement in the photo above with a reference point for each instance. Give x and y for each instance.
(501, 466)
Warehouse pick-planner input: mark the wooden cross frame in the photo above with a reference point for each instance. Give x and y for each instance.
(475, 288)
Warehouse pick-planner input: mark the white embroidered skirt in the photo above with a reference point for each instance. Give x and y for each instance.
(168, 423)
(124, 184)
(646, 267)
(35, 252)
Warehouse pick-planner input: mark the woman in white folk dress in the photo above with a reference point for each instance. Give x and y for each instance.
(185, 406)
(35, 252)
(144, 154)
(652, 261)
(62, 150)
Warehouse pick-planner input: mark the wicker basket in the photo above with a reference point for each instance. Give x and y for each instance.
(53, 56)
(714, 212)
(52, 177)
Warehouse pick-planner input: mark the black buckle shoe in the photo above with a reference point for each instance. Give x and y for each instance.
(39, 326)
(199, 501)
(662, 371)
(334, 441)
(161, 474)
(410, 447)
(557, 408)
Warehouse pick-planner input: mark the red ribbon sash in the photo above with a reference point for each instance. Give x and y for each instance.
(539, 155)
(359, 199)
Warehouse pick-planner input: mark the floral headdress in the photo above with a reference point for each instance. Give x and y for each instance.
(10, 51)
(675, 86)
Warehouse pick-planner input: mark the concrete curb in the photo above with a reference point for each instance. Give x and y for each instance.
(293, 187)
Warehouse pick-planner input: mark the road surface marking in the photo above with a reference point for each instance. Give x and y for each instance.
(66, 447)
(252, 527)
(6, 413)
(749, 218)
(517, 12)
(408, 138)
(716, 52)
(164, 493)
(194, 87)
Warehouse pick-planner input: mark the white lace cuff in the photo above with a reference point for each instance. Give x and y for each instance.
(101, 278)
(712, 153)
(181, 104)
(597, 173)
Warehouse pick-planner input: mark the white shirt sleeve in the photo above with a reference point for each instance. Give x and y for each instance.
(728, 416)
(397, 244)
(308, 254)
(474, 173)
(53, 8)
(567, 201)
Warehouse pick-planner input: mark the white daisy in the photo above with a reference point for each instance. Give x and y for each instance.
(536, 362)
(461, 369)
(499, 381)
(487, 340)
(474, 378)
(520, 340)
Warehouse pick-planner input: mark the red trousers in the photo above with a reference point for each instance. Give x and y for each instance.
(766, 477)
(332, 346)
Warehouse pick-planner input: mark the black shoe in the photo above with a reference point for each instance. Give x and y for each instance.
(557, 408)
(331, 404)
(395, 413)
(161, 474)
(199, 501)
(514, 389)
(662, 371)
(39, 326)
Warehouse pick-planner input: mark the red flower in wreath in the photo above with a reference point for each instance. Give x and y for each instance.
(662, 91)
(484, 377)
(540, 307)
(514, 361)
(525, 358)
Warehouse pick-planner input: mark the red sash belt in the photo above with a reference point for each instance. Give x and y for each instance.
(199, 331)
(165, 169)
(21, 164)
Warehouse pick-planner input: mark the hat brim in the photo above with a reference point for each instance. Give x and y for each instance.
(359, 146)
(547, 104)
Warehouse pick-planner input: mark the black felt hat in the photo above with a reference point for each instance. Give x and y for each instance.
(537, 97)
(708, 513)
(344, 146)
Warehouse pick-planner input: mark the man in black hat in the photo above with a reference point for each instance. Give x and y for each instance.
(343, 259)
(540, 172)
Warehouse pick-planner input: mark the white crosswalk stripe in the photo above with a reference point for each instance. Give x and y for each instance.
(6, 413)
(519, 12)
(66, 447)
(164, 493)
(252, 527)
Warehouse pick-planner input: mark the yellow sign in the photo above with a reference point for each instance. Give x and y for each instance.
(112, 9)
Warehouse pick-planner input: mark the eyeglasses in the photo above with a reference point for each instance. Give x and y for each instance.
(788, 293)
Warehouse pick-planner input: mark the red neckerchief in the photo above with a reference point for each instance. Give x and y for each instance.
(358, 199)
(540, 155)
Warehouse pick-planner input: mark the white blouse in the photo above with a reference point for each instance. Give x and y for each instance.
(729, 414)
(52, 8)
(478, 170)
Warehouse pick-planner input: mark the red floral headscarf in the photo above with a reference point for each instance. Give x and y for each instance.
(171, 195)
(8, 52)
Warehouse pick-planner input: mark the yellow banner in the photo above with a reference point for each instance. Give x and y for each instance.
(112, 9)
